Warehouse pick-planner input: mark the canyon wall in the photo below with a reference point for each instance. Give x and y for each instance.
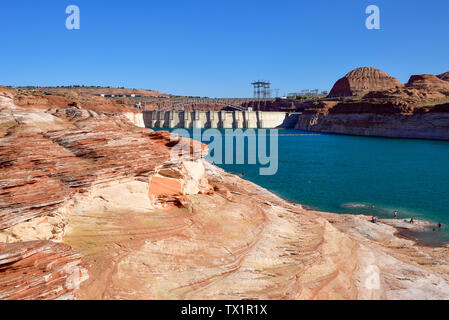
(381, 106)
(430, 125)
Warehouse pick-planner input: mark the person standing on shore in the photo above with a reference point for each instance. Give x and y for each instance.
(396, 214)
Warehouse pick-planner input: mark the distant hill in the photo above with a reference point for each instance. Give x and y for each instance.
(101, 90)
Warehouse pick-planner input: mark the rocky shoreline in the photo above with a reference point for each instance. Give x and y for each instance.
(93, 207)
(431, 125)
(369, 102)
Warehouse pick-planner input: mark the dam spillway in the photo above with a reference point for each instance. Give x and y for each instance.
(219, 119)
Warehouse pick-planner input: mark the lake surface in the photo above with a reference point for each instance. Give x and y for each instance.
(347, 174)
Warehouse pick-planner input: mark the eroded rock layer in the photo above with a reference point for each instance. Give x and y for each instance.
(46, 157)
(242, 242)
(39, 270)
(378, 118)
(93, 207)
(382, 107)
(444, 76)
(42, 170)
(429, 81)
(363, 80)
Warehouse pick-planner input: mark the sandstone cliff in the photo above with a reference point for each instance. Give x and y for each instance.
(93, 207)
(383, 119)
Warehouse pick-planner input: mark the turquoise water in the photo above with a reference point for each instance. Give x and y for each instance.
(347, 174)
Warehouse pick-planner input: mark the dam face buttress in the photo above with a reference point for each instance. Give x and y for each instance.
(219, 119)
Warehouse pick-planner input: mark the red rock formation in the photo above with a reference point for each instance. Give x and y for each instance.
(363, 80)
(428, 82)
(39, 270)
(48, 157)
(387, 108)
(410, 95)
(165, 189)
(444, 76)
(321, 107)
(240, 242)
(375, 107)
(42, 170)
(379, 117)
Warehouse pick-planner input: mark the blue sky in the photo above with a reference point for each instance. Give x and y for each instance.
(216, 48)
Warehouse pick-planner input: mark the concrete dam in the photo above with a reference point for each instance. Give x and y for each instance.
(219, 119)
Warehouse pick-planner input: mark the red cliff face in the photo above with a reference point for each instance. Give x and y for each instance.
(363, 80)
(374, 107)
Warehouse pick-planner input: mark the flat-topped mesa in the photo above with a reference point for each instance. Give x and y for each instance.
(444, 76)
(429, 81)
(363, 80)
